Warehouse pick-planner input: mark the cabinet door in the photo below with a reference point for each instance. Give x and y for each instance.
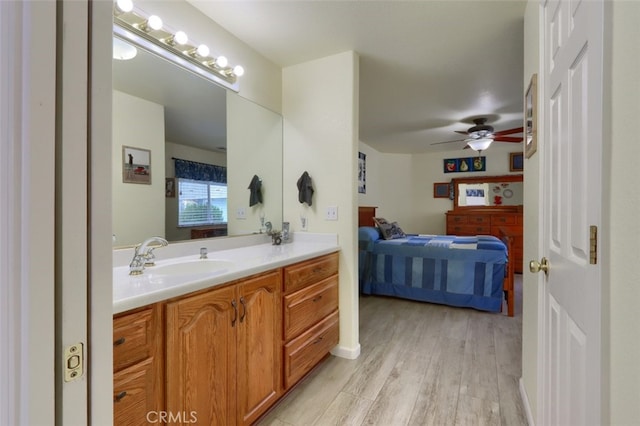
(259, 345)
(201, 358)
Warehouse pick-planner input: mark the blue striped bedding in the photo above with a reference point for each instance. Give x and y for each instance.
(445, 269)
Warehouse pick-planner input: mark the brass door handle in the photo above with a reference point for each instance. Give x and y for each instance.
(543, 265)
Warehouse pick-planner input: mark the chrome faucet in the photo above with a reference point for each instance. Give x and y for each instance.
(143, 255)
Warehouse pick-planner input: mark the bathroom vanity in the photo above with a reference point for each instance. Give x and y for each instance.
(223, 349)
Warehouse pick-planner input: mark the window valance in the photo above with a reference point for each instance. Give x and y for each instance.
(186, 169)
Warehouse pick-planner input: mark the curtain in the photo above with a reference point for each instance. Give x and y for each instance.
(186, 169)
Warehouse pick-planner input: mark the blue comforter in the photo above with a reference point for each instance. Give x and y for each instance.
(457, 271)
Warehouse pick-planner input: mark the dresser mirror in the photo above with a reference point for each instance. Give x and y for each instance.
(171, 112)
(488, 191)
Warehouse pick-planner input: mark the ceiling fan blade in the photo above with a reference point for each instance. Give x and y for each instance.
(457, 140)
(509, 131)
(462, 132)
(514, 139)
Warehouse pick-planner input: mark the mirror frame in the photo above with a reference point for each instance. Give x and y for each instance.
(481, 179)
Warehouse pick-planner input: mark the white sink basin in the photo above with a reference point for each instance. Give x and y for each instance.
(190, 267)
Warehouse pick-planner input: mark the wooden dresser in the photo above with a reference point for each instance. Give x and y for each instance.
(489, 221)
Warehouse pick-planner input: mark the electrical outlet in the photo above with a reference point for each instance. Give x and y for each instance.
(304, 223)
(332, 213)
(241, 213)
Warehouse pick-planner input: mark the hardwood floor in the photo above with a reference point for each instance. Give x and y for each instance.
(420, 364)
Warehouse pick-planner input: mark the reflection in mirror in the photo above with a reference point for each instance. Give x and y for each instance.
(173, 113)
(489, 191)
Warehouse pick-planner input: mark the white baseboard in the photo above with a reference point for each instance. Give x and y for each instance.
(525, 403)
(344, 352)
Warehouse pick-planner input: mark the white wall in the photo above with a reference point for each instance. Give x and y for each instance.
(388, 186)
(320, 106)
(624, 292)
(254, 136)
(183, 152)
(531, 223)
(137, 123)
(262, 81)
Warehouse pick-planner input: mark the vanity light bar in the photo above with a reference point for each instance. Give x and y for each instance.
(133, 26)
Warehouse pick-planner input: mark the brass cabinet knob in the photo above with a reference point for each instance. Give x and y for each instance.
(543, 265)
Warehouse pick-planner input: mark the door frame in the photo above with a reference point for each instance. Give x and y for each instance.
(27, 254)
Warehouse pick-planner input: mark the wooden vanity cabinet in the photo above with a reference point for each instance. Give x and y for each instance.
(310, 311)
(224, 351)
(138, 366)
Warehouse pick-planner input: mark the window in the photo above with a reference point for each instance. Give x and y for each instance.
(201, 202)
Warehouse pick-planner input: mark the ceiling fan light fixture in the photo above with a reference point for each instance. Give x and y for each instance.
(479, 144)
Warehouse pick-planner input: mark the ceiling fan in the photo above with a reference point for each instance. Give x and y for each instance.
(481, 135)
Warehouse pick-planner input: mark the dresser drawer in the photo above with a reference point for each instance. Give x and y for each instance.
(304, 352)
(305, 307)
(302, 274)
(132, 388)
(132, 338)
(469, 230)
(503, 220)
(479, 220)
(457, 219)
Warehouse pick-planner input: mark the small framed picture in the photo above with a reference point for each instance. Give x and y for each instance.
(362, 173)
(516, 162)
(441, 189)
(136, 167)
(530, 117)
(170, 187)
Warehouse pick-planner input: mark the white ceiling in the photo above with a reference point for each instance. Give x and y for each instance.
(426, 67)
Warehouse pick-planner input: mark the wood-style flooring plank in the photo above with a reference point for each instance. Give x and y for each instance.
(345, 409)
(438, 396)
(395, 401)
(477, 412)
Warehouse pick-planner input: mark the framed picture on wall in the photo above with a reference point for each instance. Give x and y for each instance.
(441, 190)
(516, 162)
(530, 117)
(362, 173)
(136, 165)
(170, 187)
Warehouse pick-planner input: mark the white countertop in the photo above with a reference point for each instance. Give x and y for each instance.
(133, 291)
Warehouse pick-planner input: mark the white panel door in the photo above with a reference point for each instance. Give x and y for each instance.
(571, 100)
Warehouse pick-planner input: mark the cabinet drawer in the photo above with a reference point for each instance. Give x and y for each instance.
(304, 352)
(132, 338)
(457, 219)
(305, 307)
(133, 394)
(503, 220)
(469, 230)
(479, 220)
(302, 274)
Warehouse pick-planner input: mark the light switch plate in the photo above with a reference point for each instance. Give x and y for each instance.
(332, 213)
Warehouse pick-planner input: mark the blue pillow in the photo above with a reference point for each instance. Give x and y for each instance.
(368, 233)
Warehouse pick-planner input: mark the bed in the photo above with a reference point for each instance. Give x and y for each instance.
(469, 272)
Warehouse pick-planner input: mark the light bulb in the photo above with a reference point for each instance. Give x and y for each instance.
(480, 144)
(238, 70)
(154, 22)
(203, 50)
(180, 37)
(122, 50)
(124, 6)
(222, 61)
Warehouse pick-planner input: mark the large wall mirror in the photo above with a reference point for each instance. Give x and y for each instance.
(488, 191)
(163, 112)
